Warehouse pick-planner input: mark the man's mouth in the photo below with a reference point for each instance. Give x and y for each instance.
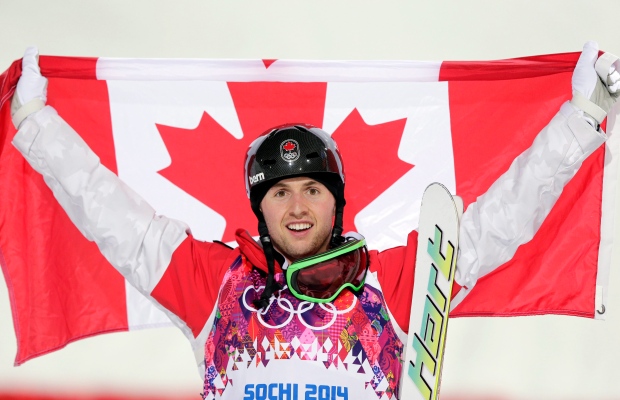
(298, 227)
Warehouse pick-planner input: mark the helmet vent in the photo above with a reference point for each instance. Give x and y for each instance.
(270, 161)
(314, 154)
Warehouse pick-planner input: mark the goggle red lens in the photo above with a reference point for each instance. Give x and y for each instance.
(324, 279)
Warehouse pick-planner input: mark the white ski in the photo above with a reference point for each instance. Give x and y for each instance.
(434, 274)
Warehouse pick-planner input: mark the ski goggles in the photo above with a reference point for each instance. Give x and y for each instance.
(321, 278)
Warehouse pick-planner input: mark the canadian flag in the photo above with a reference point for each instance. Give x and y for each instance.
(176, 131)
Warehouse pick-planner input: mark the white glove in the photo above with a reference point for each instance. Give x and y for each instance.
(31, 91)
(592, 95)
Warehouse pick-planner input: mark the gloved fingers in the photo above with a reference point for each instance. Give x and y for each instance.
(613, 79)
(31, 85)
(607, 67)
(31, 90)
(589, 54)
(606, 64)
(30, 61)
(584, 75)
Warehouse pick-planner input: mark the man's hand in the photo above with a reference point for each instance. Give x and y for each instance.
(596, 83)
(31, 91)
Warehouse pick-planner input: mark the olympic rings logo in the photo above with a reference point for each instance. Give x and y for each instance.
(302, 307)
(290, 156)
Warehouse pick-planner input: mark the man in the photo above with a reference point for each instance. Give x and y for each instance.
(298, 316)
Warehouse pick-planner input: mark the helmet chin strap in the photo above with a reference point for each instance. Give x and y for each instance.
(337, 238)
(271, 285)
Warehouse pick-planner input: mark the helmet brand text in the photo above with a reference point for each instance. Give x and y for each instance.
(257, 178)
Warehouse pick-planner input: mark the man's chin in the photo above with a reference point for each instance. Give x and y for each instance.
(299, 255)
(294, 254)
(296, 248)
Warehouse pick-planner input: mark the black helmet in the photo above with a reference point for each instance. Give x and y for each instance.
(288, 151)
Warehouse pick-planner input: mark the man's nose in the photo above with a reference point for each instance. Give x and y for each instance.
(298, 207)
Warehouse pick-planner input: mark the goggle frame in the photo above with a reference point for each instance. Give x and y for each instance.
(348, 247)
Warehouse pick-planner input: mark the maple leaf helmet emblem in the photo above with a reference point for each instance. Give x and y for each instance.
(288, 151)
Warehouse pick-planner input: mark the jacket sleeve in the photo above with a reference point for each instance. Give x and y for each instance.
(137, 242)
(511, 211)
(157, 255)
(395, 273)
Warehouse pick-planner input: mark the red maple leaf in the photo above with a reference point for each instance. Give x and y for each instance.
(371, 162)
(288, 146)
(268, 61)
(207, 161)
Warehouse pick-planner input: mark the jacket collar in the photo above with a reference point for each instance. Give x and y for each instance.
(253, 251)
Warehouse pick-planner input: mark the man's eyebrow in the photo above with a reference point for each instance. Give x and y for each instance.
(285, 185)
(279, 184)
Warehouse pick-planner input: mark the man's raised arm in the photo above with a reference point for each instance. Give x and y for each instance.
(126, 229)
(511, 211)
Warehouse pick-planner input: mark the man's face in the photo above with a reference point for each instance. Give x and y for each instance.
(299, 213)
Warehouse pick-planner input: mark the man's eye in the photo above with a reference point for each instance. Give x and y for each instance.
(280, 193)
(313, 191)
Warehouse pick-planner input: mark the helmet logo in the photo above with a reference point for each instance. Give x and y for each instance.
(257, 178)
(289, 150)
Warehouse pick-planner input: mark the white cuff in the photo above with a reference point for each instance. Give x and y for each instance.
(24, 111)
(588, 107)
